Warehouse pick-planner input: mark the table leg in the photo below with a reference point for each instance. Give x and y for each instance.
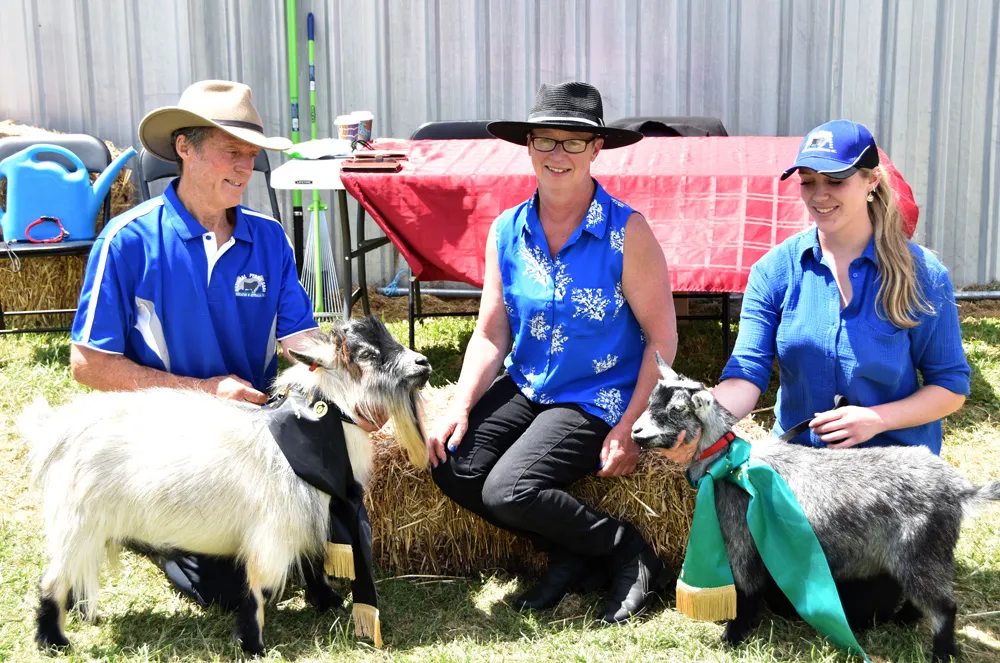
(345, 247)
(409, 313)
(727, 345)
(298, 244)
(362, 268)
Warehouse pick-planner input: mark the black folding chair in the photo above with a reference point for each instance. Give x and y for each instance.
(687, 126)
(152, 168)
(443, 130)
(95, 157)
(673, 125)
(452, 130)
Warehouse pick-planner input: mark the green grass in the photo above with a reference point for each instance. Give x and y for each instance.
(463, 619)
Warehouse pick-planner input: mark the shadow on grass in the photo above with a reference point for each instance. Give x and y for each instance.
(51, 350)
(414, 614)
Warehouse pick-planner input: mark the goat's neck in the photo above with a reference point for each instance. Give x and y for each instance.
(324, 384)
(718, 422)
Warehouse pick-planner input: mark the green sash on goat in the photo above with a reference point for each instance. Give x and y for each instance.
(784, 537)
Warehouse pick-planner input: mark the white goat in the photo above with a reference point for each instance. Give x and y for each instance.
(167, 470)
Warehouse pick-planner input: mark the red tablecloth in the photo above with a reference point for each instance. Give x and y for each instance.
(716, 205)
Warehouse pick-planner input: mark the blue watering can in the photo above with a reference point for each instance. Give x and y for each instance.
(41, 189)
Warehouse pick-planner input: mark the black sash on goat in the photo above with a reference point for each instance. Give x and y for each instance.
(311, 436)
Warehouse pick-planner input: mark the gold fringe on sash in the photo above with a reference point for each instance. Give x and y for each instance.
(339, 560)
(366, 623)
(707, 604)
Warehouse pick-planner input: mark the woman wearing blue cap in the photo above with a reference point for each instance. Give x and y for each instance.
(576, 300)
(851, 308)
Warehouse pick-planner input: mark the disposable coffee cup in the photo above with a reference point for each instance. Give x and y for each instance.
(347, 127)
(364, 119)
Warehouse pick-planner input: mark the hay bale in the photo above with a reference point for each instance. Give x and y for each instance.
(52, 282)
(416, 529)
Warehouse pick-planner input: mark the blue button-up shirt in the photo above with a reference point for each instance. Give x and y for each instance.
(792, 309)
(158, 291)
(575, 337)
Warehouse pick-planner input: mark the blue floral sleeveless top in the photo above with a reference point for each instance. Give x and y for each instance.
(575, 337)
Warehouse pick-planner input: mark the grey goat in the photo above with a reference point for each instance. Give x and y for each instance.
(875, 511)
(172, 469)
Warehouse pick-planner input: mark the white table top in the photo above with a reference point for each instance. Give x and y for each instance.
(307, 175)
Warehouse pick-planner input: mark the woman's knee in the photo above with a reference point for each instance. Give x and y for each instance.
(504, 499)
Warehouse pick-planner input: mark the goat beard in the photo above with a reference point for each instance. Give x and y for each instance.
(406, 412)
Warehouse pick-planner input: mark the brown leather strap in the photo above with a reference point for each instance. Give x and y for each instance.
(802, 426)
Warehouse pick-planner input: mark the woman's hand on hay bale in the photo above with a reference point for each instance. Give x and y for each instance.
(371, 420)
(619, 454)
(233, 388)
(448, 431)
(682, 452)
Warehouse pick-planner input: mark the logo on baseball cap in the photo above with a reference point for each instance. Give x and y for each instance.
(836, 149)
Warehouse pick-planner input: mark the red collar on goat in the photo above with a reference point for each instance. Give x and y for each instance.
(721, 443)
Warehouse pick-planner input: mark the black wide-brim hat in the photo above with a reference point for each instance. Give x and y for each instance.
(566, 106)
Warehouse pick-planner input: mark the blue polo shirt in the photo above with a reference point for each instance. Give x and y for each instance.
(158, 291)
(791, 310)
(575, 337)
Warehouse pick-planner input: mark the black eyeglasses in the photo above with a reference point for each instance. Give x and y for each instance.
(570, 145)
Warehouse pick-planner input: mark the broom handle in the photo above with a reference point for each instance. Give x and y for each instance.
(293, 93)
(317, 205)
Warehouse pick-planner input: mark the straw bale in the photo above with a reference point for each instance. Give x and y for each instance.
(416, 529)
(52, 282)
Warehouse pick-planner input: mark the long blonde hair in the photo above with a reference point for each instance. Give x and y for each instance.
(900, 298)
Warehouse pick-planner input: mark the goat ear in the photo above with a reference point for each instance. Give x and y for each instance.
(666, 372)
(325, 352)
(703, 401)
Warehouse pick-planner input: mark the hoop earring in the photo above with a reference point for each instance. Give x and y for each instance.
(871, 197)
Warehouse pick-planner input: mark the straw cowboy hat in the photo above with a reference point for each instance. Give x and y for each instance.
(567, 106)
(221, 104)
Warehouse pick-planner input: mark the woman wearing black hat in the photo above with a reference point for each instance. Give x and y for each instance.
(576, 287)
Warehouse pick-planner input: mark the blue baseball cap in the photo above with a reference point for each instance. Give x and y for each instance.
(836, 149)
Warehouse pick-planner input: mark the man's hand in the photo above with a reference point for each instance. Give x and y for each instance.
(847, 426)
(682, 452)
(233, 388)
(619, 454)
(448, 431)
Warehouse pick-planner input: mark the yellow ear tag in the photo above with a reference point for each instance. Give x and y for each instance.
(320, 408)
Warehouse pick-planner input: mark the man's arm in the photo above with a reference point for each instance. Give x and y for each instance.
(106, 371)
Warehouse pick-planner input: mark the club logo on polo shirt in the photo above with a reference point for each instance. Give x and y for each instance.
(820, 141)
(250, 285)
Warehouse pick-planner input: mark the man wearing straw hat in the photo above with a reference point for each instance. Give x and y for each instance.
(191, 289)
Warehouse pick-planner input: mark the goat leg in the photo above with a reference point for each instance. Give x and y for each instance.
(943, 625)
(51, 616)
(319, 593)
(249, 630)
(748, 611)
(908, 615)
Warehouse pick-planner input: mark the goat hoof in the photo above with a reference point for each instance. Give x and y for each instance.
(51, 642)
(251, 649)
(326, 600)
(734, 633)
(907, 616)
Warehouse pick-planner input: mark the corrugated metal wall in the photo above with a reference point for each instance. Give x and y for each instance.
(923, 74)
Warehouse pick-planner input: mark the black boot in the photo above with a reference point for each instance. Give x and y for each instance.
(634, 585)
(564, 572)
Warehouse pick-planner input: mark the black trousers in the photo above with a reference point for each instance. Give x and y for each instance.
(206, 579)
(515, 463)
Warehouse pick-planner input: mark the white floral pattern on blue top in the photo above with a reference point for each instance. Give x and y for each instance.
(575, 339)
